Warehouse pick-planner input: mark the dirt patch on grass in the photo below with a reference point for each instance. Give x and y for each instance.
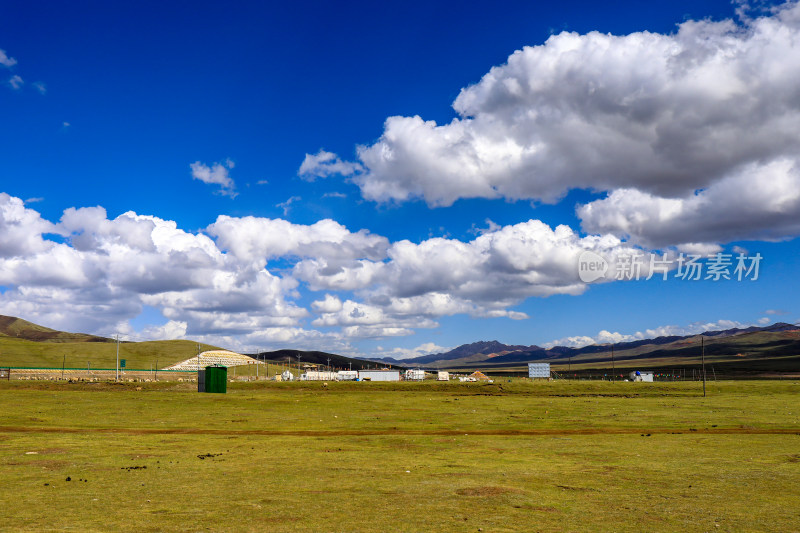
(486, 491)
(49, 464)
(52, 450)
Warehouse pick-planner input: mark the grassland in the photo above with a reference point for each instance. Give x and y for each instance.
(512, 456)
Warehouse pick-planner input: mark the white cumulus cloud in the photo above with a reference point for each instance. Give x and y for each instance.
(408, 353)
(770, 209)
(665, 114)
(324, 164)
(671, 126)
(216, 174)
(6, 60)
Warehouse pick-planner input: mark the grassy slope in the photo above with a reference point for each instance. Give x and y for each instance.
(139, 355)
(403, 479)
(16, 327)
(25, 344)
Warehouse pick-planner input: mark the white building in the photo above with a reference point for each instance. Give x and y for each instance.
(379, 375)
(538, 370)
(443, 376)
(415, 374)
(347, 375)
(318, 375)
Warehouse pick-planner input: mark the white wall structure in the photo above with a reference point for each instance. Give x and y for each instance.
(443, 376)
(538, 370)
(347, 375)
(318, 375)
(379, 375)
(415, 374)
(641, 376)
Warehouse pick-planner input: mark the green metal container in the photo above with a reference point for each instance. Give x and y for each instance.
(216, 379)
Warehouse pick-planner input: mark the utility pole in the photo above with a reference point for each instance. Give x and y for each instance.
(117, 356)
(703, 362)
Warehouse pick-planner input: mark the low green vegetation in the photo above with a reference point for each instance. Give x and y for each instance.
(510, 456)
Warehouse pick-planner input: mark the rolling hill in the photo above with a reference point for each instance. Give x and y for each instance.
(11, 326)
(25, 344)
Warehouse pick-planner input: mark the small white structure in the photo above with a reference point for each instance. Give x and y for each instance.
(287, 376)
(347, 375)
(318, 375)
(641, 376)
(415, 374)
(379, 375)
(443, 376)
(538, 370)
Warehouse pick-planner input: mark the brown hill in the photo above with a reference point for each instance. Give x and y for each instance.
(11, 326)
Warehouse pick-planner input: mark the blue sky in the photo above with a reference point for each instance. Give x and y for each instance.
(152, 181)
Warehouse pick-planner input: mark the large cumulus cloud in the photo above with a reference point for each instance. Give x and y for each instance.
(757, 202)
(484, 277)
(714, 105)
(92, 273)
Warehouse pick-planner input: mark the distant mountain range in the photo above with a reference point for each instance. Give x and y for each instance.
(777, 340)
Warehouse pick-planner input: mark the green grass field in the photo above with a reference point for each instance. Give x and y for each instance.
(512, 456)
